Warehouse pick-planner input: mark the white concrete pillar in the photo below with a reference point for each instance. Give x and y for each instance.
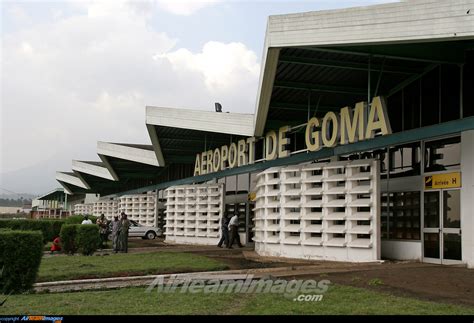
(467, 197)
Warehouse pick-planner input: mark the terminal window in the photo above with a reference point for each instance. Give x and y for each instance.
(400, 216)
(441, 155)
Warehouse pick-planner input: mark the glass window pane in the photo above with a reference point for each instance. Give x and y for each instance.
(452, 246)
(452, 209)
(431, 210)
(431, 245)
(443, 154)
(405, 160)
(405, 216)
(384, 216)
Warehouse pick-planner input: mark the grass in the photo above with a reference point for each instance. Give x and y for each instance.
(338, 300)
(47, 246)
(80, 267)
(375, 282)
(132, 243)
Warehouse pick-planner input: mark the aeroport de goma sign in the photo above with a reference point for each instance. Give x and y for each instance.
(349, 126)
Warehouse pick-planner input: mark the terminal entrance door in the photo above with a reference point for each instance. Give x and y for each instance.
(442, 226)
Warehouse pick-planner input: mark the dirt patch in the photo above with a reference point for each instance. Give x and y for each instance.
(423, 281)
(242, 263)
(235, 258)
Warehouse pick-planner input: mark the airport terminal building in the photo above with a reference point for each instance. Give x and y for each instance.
(361, 146)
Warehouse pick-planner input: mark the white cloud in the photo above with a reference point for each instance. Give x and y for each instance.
(57, 14)
(224, 67)
(184, 7)
(18, 15)
(88, 77)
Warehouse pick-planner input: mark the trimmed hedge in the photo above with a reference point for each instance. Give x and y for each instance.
(77, 219)
(49, 228)
(88, 238)
(68, 238)
(20, 258)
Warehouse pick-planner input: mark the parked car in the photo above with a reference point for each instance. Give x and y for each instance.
(139, 230)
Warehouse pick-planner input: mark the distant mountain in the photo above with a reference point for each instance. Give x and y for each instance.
(17, 196)
(14, 202)
(34, 180)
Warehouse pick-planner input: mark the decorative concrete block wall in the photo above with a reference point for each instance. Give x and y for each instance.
(193, 213)
(327, 211)
(139, 207)
(83, 209)
(107, 206)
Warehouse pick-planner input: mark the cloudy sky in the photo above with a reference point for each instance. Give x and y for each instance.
(74, 72)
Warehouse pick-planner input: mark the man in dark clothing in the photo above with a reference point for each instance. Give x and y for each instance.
(124, 227)
(234, 231)
(224, 231)
(103, 230)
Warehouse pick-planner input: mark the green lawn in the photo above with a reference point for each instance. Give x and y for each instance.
(338, 300)
(78, 266)
(133, 243)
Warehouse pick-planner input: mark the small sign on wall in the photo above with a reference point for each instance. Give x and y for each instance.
(438, 181)
(252, 196)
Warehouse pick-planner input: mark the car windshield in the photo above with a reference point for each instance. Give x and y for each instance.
(134, 223)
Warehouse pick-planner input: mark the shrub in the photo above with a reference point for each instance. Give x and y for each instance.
(88, 238)
(68, 238)
(49, 228)
(77, 219)
(20, 257)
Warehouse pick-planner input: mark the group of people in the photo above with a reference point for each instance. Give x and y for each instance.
(120, 228)
(230, 231)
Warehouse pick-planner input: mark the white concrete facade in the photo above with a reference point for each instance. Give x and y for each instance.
(467, 197)
(326, 211)
(72, 179)
(83, 209)
(122, 151)
(194, 213)
(229, 123)
(402, 250)
(139, 207)
(106, 206)
(93, 169)
(392, 22)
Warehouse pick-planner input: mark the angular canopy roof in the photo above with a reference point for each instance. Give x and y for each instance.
(313, 62)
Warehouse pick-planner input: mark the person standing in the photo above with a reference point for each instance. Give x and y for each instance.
(102, 223)
(125, 225)
(116, 226)
(234, 231)
(224, 232)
